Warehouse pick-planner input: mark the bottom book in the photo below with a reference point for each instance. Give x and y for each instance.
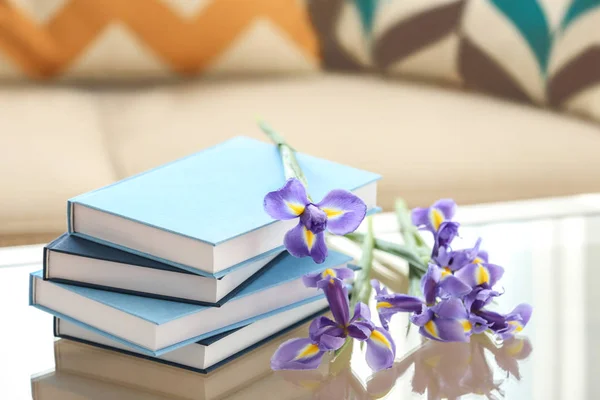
(210, 353)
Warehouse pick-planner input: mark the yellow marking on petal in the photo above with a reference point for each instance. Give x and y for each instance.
(379, 338)
(481, 275)
(309, 238)
(467, 325)
(518, 326)
(515, 348)
(436, 218)
(477, 260)
(433, 361)
(383, 304)
(332, 212)
(328, 273)
(431, 329)
(309, 351)
(295, 208)
(446, 272)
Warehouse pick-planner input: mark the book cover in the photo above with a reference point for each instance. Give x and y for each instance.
(158, 312)
(76, 246)
(211, 197)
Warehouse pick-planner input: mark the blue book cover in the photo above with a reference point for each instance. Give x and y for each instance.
(285, 268)
(212, 196)
(73, 245)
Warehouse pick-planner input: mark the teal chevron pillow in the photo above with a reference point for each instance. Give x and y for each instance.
(574, 70)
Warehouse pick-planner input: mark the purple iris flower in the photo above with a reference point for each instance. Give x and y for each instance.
(441, 282)
(480, 273)
(390, 304)
(431, 218)
(340, 212)
(456, 259)
(326, 334)
(446, 233)
(313, 279)
(507, 325)
(448, 321)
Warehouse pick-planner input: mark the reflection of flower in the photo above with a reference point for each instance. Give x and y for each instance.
(451, 370)
(457, 286)
(340, 212)
(327, 335)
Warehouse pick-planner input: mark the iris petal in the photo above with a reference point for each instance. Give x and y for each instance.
(381, 350)
(288, 202)
(297, 354)
(295, 241)
(345, 211)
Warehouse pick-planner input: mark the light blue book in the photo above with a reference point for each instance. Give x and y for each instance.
(204, 213)
(154, 327)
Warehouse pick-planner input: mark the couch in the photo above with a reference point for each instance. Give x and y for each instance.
(439, 118)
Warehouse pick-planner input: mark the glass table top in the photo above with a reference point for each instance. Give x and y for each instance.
(549, 262)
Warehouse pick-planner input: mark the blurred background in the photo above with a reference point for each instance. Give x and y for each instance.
(479, 100)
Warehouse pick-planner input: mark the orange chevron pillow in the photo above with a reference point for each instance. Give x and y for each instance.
(66, 39)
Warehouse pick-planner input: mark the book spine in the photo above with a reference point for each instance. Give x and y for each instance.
(70, 216)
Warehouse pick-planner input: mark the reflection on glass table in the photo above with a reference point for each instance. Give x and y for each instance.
(439, 370)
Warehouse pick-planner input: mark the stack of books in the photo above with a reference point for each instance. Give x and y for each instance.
(181, 264)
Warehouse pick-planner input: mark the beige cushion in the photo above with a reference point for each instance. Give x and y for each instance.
(52, 148)
(426, 142)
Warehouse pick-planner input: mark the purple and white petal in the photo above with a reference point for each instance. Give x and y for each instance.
(452, 309)
(447, 207)
(445, 330)
(311, 280)
(381, 350)
(380, 290)
(461, 258)
(318, 251)
(295, 241)
(345, 211)
(330, 342)
(420, 216)
(337, 297)
(344, 273)
(297, 354)
(422, 317)
(495, 272)
(479, 298)
(446, 233)
(360, 330)
(454, 287)
(479, 274)
(397, 302)
(319, 326)
(478, 324)
(361, 313)
(429, 283)
(288, 202)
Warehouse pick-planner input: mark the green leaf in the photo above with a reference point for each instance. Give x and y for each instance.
(362, 284)
(393, 248)
(409, 232)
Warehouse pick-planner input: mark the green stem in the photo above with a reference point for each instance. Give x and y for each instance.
(362, 284)
(392, 248)
(291, 168)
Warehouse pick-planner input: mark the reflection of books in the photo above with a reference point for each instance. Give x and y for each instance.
(59, 385)
(148, 376)
(214, 351)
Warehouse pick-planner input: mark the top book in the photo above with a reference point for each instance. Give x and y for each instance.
(204, 213)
